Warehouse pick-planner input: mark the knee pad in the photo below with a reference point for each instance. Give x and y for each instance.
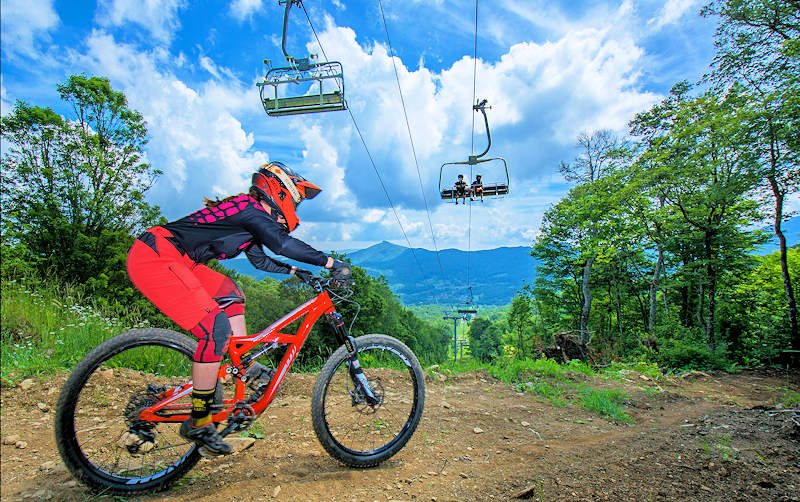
(231, 288)
(213, 333)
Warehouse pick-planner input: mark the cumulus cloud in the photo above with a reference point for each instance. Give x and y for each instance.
(24, 25)
(244, 9)
(208, 135)
(542, 95)
(158, 17)
(196, 137)
(672, 11)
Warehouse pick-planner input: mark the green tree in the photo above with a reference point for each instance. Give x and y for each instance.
(598, 159)
(697, 150)
(485, 339)
(73, 190)
(520, 321)
(757, 47)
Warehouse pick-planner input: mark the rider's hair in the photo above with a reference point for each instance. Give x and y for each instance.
(216, 202)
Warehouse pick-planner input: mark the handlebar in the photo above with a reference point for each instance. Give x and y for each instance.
(321, 284)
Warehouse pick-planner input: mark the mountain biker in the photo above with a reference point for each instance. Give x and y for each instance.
(166, 263)
(461, 189)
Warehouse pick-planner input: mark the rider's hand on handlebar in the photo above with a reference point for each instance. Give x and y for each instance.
(303, 274)
(340, 271)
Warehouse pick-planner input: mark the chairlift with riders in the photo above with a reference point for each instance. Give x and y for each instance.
(321, 96)
(489, 190)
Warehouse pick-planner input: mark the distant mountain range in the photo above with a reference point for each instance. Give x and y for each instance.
(495, 275)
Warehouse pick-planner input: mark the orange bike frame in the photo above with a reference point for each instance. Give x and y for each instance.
(309, 312)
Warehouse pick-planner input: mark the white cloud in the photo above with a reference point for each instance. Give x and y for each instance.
(672, 11)
(196, 137)
(542, 95)
(159, 17)
(24, 24)
(243, 9)
(5, 105)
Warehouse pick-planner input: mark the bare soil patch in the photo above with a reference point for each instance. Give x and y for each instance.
(479, 439)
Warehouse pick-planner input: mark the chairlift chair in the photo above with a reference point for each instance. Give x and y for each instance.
(495, 189)
(321, 96)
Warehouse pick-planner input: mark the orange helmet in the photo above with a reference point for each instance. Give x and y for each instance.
(283, 189)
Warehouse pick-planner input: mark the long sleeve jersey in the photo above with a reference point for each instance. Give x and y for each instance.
(236, 226)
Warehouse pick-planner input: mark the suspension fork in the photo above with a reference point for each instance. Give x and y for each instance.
(353, 366)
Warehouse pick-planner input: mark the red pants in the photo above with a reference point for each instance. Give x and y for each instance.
(179, 287)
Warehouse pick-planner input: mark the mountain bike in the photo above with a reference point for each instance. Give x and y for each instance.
(119, 412)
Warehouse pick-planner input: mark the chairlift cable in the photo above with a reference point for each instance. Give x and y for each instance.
(316, 37)
(372, 162)
(411, 139)
(386, 192)
(472, 147)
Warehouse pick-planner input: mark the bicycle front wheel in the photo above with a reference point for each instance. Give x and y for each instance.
(98, 431)
(351, 430)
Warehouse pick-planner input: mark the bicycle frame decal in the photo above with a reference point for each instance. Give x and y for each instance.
(238, 347)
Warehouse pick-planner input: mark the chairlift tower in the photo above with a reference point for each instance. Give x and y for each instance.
(455, 334)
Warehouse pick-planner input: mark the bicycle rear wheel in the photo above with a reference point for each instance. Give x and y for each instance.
(350, 430)
(99, 435)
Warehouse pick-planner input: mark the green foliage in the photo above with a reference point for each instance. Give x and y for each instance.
(73, 190)
(485, 339)
(683, 355)
(606, 402)
(516, 370)
(520, 321)
(48, 326)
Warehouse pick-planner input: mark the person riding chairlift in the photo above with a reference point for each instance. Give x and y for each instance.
(477, 187)
(167, 264)
(461, 189)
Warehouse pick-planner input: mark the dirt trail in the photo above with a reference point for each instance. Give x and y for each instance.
(478, 440)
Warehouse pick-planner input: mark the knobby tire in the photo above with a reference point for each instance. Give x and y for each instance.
(72, 406)
(353, 432)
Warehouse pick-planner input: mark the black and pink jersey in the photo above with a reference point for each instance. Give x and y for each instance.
(238, 225)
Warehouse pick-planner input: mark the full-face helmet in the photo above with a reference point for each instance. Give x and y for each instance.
(283, 189)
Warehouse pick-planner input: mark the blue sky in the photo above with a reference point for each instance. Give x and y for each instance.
(550, 70)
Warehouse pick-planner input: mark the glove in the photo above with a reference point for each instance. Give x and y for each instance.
(303, 274)
(340, 271)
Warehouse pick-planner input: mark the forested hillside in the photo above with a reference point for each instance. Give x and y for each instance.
(671, 244)
(496, 274)
(73, 200)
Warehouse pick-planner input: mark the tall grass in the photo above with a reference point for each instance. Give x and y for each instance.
(564, 384)
(47, 327)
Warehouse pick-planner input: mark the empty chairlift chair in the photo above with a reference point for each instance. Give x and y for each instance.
(304, 86)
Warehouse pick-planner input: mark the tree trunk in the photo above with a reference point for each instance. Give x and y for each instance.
(651, 321)
(616, 300)
(711, 273)
(701, 294)
(787, 280)
(587, 299)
